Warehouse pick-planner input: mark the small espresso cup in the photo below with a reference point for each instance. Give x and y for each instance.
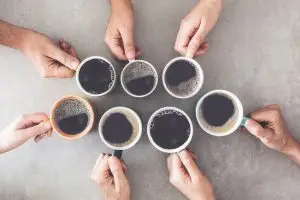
(72, 117)
(136, 70)
(187, 88)
(175, 124)
(221, 107)
(96, 76)
(110, 124)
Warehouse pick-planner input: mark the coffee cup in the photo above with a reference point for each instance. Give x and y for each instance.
(182, 77)
(219, 112)
(120, 128)
(72, 117)
(170, 130)
(139, 78)
(96, 76)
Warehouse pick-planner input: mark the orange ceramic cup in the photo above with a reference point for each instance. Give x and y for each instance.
(87, 106)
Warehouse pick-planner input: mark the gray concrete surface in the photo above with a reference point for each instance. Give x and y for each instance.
(254, 52)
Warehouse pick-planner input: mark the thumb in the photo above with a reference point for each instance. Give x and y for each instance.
(116, 169)
(196, 40)
(39, 129)
(257, 130)
(64, 58)
(128, 43)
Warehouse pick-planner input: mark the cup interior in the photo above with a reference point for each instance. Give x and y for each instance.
(72, 117)
(166, 111)
(188, 88)
(231, 125)
(139, 70)
(96, 76)
(132, 118)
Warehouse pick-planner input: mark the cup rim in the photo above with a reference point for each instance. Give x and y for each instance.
(239, 107)
(86, 130)
(112, 110)
(125, 88)
(78, 70)
(178, 149)
(196, 64)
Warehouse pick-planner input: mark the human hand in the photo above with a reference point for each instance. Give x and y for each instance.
(120, 30)
(195, 26)
(274, 133)
(50, 60)
(36, 125)
(108, 173)
(187, 178)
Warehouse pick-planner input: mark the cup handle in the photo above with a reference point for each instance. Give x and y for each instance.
(131, 60)
(118, 153)
(244, 120)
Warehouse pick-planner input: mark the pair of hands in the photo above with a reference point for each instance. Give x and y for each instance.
(109, 175)
(190, 39)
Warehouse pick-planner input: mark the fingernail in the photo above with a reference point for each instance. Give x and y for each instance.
(47, 125)
(113, 163)
(130, 55)
(74, 64)
(184, 153)
(250, 125)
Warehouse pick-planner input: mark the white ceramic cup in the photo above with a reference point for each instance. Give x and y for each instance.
(178, 149)
(154, 73)
(132, 117)
(232, 125)
(78, 71)
(198, 70)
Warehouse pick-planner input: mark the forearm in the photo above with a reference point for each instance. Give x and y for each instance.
(118, 5)
(11, 35)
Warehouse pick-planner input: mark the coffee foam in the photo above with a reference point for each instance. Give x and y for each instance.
(132, 120)
(188, 87)
(138, 69)
(166, 112)
(68, 108)
(228, 125)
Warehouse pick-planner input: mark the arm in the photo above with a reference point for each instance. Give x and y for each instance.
(11, 36)
(294, 151)
(51, 60)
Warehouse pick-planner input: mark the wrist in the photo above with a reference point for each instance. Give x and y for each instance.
(292, 148)
(116, 4)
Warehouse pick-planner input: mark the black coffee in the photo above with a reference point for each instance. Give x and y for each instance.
(117, 129)
(74, 124)
(180, 71)
(170, 130)
(217, 109)
(141, 86)
(96, 76)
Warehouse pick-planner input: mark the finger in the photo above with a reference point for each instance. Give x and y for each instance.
(257, 130)
(49, 133)
(39, 138)
(64, 45)
(59, 71)
(117, 171)
(64, 58)
(184, 35)
(267, 113)
(196, 40)
(102, 171)
(39, 129)
(117, 50)
(35, 118)
(128, 43)
(98, 161)
(174, 164)
(194, 156)
(189, 164)
(202, 50)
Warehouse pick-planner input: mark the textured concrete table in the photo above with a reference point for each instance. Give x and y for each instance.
(254, 52)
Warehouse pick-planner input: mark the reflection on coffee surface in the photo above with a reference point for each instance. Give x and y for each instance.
(96, 76)
(182, 77)
(139, 78)
(72, 116)
(117, 128)
(217, 109)
(170, 129)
